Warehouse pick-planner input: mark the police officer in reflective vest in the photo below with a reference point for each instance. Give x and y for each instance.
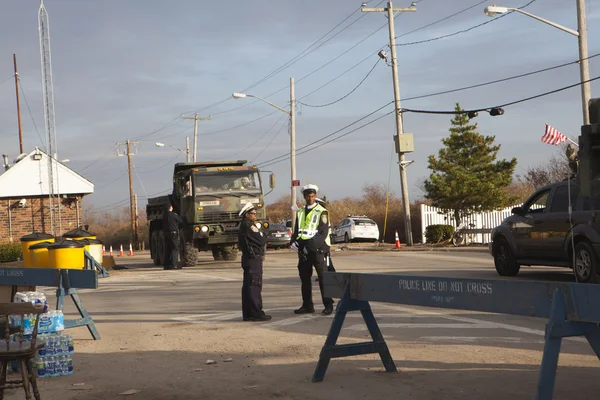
(311, 240)
(251, 240)
(328, 261)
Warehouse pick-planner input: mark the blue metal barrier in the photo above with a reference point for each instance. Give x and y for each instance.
(572, 309)
(67, 281)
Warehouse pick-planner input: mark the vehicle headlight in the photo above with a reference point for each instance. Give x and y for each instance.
(204, 228)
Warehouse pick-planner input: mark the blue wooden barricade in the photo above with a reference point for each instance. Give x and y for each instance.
(67, 281)
(572, 309)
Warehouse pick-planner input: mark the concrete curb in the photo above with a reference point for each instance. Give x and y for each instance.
(417, 249)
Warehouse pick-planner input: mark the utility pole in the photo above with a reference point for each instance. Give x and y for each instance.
(586, 91)
(128, 144)
(137, 220)
(399, 128)
(187, 149)
(293, 149)
(18, 104)
(196, 119)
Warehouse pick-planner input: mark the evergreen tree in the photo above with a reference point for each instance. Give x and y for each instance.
(466, 177)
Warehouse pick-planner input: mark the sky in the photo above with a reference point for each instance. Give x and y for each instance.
(127, 70)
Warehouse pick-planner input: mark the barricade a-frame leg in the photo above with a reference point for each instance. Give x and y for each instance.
(557, 328)
(332, 350)
(85, 320)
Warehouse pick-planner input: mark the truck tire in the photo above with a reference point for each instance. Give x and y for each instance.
(155, 248)
(230, 253)
(504, 258)
(161, 248)
(189, 258)
(586, 267)
(217, 253)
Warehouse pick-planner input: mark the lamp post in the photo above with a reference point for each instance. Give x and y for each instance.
(581, 33)
(187, 148)
(292, 115)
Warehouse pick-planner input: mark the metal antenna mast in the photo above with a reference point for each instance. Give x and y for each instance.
(48, 94)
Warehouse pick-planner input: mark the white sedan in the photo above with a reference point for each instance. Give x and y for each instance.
(355, 228)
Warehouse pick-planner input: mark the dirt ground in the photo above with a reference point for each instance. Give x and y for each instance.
(145, 349)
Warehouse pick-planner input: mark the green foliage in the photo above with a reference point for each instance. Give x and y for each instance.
(466, 177)
(438, 233)
(10, 252)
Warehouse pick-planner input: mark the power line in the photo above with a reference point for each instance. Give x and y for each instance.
(463, 30)
(6, 80)
(443, 19)
(257, 140)
(270, 141)
(348, 94)
(239, 126)
(332, 140)
(286, 156)
(162, 166)
(499, 80)
(505, 104)
(292, 61)
(30, 113)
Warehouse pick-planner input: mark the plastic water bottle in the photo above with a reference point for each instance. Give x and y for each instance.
(71, 344)
(40, 367)
(42, 352)
(49, 364)
(64, 341)
(57, 366)
(70, 365)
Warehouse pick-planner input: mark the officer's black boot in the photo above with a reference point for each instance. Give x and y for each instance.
(305, 310)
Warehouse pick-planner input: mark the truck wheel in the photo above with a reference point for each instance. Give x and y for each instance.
(155, 249)
(217, 253)
(504, 258)
(230, 253)
(190, 254)
(586, 268)
(160, 248)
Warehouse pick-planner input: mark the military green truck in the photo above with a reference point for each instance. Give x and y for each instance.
(208, 196)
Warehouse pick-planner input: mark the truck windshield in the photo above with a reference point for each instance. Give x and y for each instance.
(230, 181)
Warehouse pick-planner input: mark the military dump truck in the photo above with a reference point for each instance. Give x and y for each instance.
(208, 196)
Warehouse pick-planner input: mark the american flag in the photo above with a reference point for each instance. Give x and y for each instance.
(552, 136)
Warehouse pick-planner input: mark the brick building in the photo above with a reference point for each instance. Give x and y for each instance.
(24, 197)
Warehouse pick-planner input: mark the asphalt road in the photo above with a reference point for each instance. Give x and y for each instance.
(135, 306)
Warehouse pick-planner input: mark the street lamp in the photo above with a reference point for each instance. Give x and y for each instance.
(187, 149)
(292, 115)
(581, 33)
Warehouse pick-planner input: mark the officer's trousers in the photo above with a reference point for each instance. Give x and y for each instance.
(305, 269)
(252, 287)
(171, 249)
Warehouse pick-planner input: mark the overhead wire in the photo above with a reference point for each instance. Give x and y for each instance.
(290, 62)
(505, 104)
(464, 30)
(346, 95)
(22, 89)
(271, 141)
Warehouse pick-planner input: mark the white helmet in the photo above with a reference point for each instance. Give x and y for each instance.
(247, 207)
(310, 187)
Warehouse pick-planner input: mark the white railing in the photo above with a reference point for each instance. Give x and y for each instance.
(486, 220)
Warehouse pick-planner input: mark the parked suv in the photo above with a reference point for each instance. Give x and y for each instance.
(543, 232)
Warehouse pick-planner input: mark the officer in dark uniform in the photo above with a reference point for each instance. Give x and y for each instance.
(252, 241)
(171, 224)
(311, 240)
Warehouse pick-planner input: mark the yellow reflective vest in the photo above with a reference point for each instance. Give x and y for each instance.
(308, 223)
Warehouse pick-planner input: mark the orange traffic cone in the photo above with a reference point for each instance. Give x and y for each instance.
(103, 251)
(111, 252)
(130, 250)
(397, 241)
(121, 252)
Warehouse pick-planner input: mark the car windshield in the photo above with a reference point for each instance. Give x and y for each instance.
(221, 182)
(364, 222)
(277, 227)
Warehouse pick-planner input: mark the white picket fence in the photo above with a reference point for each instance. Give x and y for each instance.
(487, 220)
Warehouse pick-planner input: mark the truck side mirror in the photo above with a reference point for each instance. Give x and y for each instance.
(272, 181)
